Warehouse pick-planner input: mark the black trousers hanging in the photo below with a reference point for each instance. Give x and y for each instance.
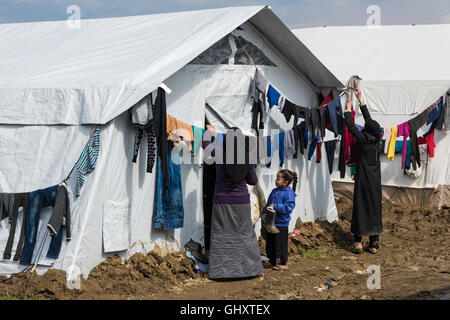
(277, 246)
(151, 146)
(257, 109)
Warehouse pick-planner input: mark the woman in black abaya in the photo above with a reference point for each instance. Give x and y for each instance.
(367, 210)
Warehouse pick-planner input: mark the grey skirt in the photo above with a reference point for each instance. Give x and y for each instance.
(234, 251)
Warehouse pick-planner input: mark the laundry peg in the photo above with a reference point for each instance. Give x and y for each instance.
(165, 88)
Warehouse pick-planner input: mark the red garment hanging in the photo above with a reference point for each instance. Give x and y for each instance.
(429, 140)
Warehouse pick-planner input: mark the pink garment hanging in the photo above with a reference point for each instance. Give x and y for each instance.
(404, 130)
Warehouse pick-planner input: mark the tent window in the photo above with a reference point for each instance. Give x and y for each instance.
(220, 52)
(258, 57)
(216, 54)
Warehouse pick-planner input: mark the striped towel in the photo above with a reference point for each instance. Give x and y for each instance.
(88, 158)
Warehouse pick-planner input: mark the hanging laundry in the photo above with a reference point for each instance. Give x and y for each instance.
(178, 130)
(434, 112)
(327, 100)
(330, 148)
(319, 152)
(20, 200)
(280, 140)
(61, 212)
(312, 147)
(318, 121)
(303, 133)
(141, 118)
(414, 173)
(151, 140)
(391, 149)
(403, 130)
(296, 141)
(415, 124)
(444, 120)
(349, 144)
(257, 111)
(404, 147)
(198, 137)
(269, 151)
(281, 148)
(39, 199)
(220, 138)
(6, 205)
(261, 145)
(168, 210)
(423, 150)
(142, 112)
(289, 143)
(300, 138)
(335, 113)
(159, 124)
(281, 104)
(88, 159)
(429, 140)
(290, 109)
(438, 118)
(386, 137)
(259, 85)
(273, 97)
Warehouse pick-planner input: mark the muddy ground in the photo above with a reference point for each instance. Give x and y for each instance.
(413, 260)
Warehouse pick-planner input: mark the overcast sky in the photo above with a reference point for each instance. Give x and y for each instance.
(295, 13)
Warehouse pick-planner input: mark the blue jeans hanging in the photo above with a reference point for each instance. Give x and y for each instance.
(37, 200)
(168, 210)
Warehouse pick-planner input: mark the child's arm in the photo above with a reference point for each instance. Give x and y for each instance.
(288, 204)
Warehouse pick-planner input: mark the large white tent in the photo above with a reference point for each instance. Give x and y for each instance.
(404, 70)
(57, 83)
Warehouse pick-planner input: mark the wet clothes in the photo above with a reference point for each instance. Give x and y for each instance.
(416, 123)
(330, 148)
(273, 97)
(20, 200)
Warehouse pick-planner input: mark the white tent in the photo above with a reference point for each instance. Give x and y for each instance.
(405, 69)
(58, 83)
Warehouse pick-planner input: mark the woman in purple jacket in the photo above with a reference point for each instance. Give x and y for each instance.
(234, 251)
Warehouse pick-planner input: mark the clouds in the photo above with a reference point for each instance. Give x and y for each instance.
(295, 13)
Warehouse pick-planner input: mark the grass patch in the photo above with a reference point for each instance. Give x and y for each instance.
(312, 253)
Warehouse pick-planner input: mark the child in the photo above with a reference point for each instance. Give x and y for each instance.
(282, 200)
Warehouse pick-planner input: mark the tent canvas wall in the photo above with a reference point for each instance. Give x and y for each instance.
(60, 83)
(405, 69)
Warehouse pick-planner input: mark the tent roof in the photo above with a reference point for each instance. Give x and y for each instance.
(388, 53)
(53, 74)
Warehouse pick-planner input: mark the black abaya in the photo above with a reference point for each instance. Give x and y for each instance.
(367, 210)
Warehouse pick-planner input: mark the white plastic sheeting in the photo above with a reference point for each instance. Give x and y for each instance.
(405, 69)
(51, 74)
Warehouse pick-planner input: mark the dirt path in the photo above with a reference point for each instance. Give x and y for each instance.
(413, 261)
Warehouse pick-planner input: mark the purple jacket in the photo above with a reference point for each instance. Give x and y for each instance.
(227, 192)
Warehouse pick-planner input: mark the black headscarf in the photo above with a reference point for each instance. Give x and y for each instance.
(237, 172)
(372, 128)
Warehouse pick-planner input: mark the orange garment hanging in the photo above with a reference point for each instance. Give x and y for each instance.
(178, 129)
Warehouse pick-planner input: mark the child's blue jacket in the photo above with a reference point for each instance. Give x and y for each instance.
(283, 200)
